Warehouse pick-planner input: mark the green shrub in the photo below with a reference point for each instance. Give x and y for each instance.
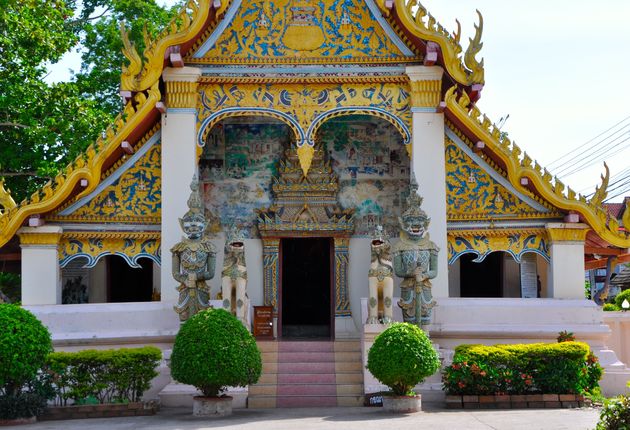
(615, 414)
(566, 367)
(566, 336)
(24, 345)
(624, 295)
(402, 357)
(106, 376)
(610, 307)
(212, 351)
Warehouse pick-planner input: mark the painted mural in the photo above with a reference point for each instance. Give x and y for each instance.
(371, 161)
(303, 28)
(236, 169)
(240, 160)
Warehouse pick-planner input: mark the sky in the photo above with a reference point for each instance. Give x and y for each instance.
(559, 68)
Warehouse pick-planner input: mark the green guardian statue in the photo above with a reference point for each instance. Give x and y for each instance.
(194, 259)
(415, 260)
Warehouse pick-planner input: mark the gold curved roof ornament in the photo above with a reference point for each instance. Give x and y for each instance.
(601, 192)
(626, 216)
(519, 165)
(130, 52)
(474, 47)
(412, 15)
(188, 23)
(88, 165)
(6, 201)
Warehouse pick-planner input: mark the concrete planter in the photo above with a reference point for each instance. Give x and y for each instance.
(402, 404)
(212, 406)
(526, 401)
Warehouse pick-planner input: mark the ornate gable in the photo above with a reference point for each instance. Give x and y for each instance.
(302, 31)
(129, 192)
(477, 189)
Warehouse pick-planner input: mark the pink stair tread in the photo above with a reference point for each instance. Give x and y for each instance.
(305, 402)
(307, 390)
(306, 378)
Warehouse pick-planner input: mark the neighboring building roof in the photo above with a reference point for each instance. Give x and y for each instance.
(623, 278)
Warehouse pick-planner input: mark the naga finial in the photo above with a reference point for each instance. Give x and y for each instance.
(473, 49)
(6, 201)
(601, 192)
(130, 52)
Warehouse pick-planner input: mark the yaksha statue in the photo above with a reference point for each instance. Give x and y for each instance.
(194, 259)
(234, 277)
(415, 260)
(380, 279)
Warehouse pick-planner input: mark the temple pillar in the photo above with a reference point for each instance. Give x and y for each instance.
(566, 269)
(428, 160)
(179, 162)
(41, 274)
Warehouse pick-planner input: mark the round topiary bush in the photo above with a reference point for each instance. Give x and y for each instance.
(402, 357)
(24, 345)
(213, 350)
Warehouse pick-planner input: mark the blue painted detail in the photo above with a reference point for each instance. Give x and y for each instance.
(493, 173)
(181, 110)
(481, 257)
(423, 110)
(227, 20)
(92, 261)
(376, 13)
(357, 110)
(253, 111)
(315, 69)
(114, 176)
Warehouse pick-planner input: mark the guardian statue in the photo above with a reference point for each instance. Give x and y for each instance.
(380, 279)
(194, 259)
(415, 260)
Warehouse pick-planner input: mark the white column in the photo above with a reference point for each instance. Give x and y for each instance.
(179, 163)
(41, 275)
(428, 160)
(566, 269)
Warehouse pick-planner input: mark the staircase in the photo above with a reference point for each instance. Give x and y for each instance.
(309, 374)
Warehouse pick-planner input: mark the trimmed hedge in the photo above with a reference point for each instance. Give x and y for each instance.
(554, 368)
(104, 376)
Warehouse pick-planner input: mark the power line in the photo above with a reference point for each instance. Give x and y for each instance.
(596, 155)
(585, 143)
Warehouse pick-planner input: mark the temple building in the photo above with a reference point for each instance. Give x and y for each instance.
(305, 122)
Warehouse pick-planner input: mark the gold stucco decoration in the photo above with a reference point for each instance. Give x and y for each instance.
(519, 166)
(425, 93)
(181, 94)
(49, 239)
(467, 71)
(305, 155)
(6, 201)
(88, 165)
(567, 234)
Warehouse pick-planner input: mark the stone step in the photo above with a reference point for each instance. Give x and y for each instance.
(264, 402)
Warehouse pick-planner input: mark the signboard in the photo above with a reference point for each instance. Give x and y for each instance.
(529, 278)
(263, 322)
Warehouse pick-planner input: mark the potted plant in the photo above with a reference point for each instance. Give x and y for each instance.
(402, 357)
(212, 351)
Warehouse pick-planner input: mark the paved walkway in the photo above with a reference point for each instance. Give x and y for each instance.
(433, 417)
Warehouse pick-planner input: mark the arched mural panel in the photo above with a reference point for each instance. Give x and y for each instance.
(369, 156)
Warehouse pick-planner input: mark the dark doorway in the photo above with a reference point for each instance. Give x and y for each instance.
(128, 284)
(306, 296)
(481, 279)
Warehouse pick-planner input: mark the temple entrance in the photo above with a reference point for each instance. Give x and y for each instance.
(306, 310)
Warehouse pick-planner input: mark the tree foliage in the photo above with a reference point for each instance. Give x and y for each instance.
(43, 126)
